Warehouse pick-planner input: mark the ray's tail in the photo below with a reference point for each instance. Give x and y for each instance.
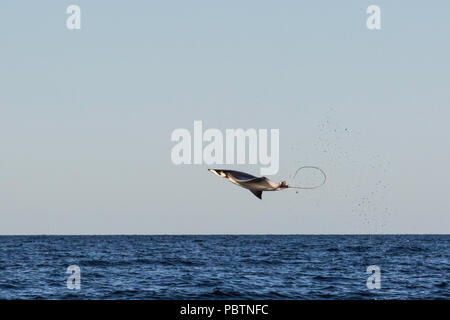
(314, 187)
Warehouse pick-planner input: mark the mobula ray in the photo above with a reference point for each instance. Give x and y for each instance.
(259, 184)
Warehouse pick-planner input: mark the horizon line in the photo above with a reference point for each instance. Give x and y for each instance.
(230, 234)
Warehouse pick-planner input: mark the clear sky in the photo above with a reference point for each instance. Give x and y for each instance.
(86, 115)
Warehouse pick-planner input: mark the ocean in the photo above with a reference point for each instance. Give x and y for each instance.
(226, 267)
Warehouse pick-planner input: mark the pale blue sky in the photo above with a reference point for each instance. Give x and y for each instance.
(86, 115)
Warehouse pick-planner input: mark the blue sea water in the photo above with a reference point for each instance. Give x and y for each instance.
(225, 267)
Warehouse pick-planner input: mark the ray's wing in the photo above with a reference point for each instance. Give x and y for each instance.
(238, 175)
(257, 183)
(258, 194)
